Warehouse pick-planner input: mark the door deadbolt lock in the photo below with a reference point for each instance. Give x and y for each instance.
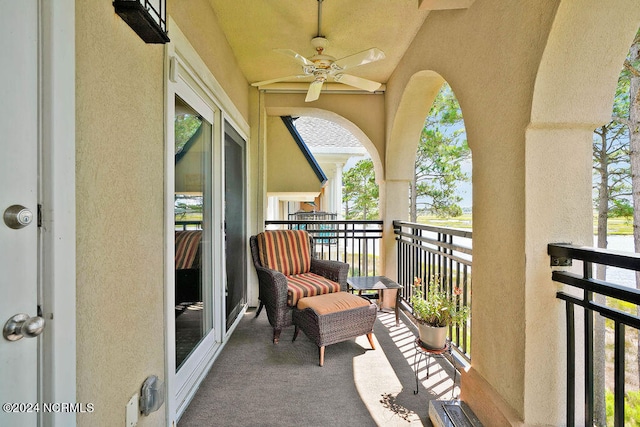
(17, 217)
(22, 325)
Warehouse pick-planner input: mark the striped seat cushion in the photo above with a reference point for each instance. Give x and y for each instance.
(187, 245)
(287, 251)
(308, 285)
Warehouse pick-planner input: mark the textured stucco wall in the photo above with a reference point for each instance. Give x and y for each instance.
(288, 171)
(119, 190)
(529, 128)
(119, 197)
(573, 94)
(492, 77)
(199, 24)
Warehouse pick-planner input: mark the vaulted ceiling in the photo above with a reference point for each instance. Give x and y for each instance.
(255, 28)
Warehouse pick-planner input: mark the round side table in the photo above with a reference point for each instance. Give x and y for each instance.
(423, 352)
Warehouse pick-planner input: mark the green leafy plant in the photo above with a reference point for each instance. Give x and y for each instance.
(438, 307)
(631, 408)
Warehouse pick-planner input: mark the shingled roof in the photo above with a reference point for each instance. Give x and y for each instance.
(320, 133)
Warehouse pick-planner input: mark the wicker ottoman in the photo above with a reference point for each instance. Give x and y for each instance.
(335, 317)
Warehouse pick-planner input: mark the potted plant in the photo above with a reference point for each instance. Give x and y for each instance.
(436, 311)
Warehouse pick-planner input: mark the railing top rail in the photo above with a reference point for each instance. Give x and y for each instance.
(440, 244)
(626, 260)
(322, 221)
(444, 230)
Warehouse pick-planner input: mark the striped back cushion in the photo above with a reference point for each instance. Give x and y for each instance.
(187, 245)
(287, 251)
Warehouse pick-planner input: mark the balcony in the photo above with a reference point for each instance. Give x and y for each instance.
(377, 387)
(373, 387)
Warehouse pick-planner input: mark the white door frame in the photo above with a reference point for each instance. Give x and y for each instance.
(57, 197)
(186, 72)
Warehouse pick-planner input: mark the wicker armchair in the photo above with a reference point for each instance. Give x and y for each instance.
(287, 271)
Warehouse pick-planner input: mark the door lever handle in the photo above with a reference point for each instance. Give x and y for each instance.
(22, 325)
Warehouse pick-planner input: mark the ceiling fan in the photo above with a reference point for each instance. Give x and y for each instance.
(326, 68)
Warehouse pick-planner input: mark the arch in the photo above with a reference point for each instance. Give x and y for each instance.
(572, 95)
(340, 120)
(415, 104)
(576, 85)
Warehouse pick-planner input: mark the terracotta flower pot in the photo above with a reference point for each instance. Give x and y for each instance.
(432, 337)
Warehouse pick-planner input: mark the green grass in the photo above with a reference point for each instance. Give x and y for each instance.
(463, 221)
(615, 226)
(189, 216)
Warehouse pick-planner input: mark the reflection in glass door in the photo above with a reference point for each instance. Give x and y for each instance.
(235, 219)
(192, 212)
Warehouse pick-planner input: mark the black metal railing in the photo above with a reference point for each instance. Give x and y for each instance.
(437, 253)
(188, 225)
(313, 216)
(561, 255)
(354, 242)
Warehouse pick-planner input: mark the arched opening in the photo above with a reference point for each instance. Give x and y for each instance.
(349, 125)
(336, 144)
(440, 189)
(615, 153)
(333, 140)
(341, 155)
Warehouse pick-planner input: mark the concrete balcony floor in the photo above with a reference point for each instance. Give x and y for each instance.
(256, 383)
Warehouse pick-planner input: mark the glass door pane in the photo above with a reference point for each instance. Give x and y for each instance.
(235, 234)
(192, 212)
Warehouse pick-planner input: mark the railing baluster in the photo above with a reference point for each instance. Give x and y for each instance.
(618, 402)
(571, 368)
(588, 351)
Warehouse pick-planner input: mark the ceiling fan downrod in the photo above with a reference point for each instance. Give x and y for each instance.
(319, 18)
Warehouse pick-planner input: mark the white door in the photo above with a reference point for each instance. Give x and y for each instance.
(19, 155)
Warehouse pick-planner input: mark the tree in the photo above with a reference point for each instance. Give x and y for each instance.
(631, 72)
(612, 188)
(186, 125)
(611, 184)
(441, 151)
(360, 191)
(612, 192)
(612, 176)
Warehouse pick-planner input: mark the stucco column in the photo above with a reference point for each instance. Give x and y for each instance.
(509, 383)
(394, 204)
(558, 209)
(336, 193)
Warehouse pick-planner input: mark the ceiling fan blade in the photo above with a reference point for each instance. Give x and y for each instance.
(280, 79)
(295, 55)
(314, 91)
(358, 82)
(364, 57)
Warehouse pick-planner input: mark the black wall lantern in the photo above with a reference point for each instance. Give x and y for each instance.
(148, 18)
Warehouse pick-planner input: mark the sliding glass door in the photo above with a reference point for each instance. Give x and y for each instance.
(205, 223)
(193, 236)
